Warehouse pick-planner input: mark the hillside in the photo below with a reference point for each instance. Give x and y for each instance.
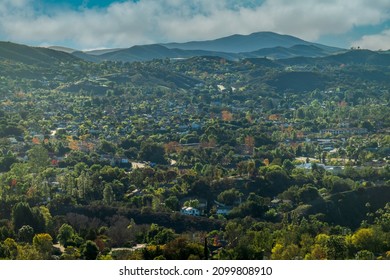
(351, 57)
(33, 55)
(294, 51)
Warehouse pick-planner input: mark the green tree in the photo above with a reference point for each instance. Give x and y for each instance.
(366, 239)
(38, 158)
(10, 248)
(43, 242)
(192, 203)
(336, 248)
(89, 250)
(172, 203)
(84, 185)
(28, 252)
(108, 194)
(229, 197)
(21, 215)
(26, 234)
(152, 152)
(364, 255)
(65, 234)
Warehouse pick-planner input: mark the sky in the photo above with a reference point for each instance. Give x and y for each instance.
(95, 24)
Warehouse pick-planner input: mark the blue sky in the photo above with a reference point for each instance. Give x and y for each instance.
(91, 24)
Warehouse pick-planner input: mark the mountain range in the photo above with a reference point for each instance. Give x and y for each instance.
(268, 45)
(235, 47)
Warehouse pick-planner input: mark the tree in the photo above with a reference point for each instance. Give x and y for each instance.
(10, 248)
(229, 197)
(172, 203)
(90, 250)
(152, 152)
(365, 239)
(108, 194)
(226, 116)
(307, 194)
(84, 185)
(28, 252)
(21, 215)
(192, 203)
(38, 158)
(45, 212)
(71, 253)
(181, 249)
(26, 234)
(65, 234)
(288, 165)
(159, 235)
(336, 248)
(364, 255)
(249, 144)
(43, 242)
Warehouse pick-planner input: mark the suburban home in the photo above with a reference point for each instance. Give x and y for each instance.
(190, 211)
(339, 131)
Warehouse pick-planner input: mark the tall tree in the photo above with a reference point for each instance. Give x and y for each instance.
(38, 158)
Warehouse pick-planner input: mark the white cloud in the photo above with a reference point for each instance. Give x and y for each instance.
(147, 21)
(374, 42)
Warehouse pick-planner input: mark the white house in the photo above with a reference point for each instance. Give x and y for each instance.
(223, 210)
(190, 211)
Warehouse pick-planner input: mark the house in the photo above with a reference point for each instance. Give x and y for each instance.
(222, 209)
(190, 211)
(339, 131)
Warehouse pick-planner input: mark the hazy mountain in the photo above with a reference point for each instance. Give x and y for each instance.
(261, 44)
(150, 52)
(32, 55)
(289, 49)
(246, 43)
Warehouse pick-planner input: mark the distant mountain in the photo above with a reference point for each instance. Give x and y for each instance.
(287, 50)
(235, 47)
(246, 43)
(33, 55)
(150, 52)
(140, 53)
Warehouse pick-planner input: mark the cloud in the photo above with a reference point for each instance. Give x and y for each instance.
(374, 42)
(127, 23)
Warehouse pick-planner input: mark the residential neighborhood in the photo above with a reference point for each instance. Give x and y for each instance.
(212, 158)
